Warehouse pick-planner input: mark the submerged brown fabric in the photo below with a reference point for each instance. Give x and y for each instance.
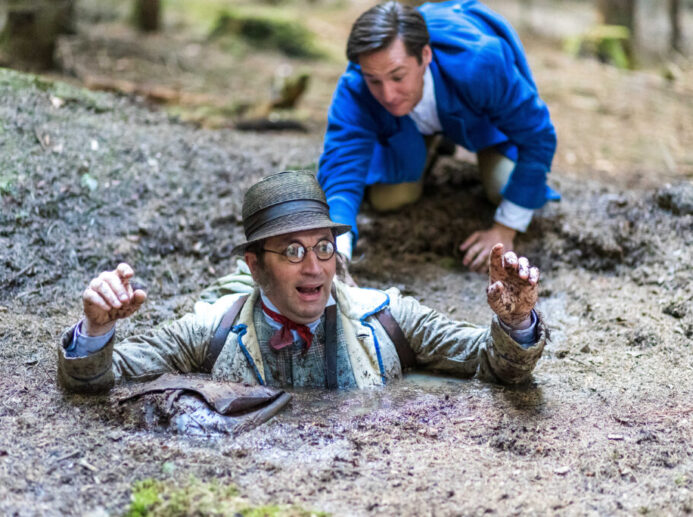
(197, 405)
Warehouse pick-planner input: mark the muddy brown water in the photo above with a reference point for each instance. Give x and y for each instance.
(604, 428)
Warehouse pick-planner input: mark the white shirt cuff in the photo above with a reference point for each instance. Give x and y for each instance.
(513, 216)
(345, 243)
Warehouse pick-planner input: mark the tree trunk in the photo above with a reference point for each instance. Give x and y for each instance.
(675, 41)
(67, 21)
(618, 12)
(147, 15)
(32, 26)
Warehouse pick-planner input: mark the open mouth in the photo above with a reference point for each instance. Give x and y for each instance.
(309, 290)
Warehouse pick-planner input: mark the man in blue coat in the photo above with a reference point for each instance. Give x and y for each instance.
(454, 68)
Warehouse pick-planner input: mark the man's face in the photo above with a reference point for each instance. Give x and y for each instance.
(300, 291)
(394, 77)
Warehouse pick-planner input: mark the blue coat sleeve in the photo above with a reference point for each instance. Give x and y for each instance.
(348, 150)
(513, 105)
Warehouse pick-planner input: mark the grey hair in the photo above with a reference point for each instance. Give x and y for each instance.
(380, 25)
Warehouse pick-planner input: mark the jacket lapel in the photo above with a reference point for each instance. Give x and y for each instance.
(355, 304)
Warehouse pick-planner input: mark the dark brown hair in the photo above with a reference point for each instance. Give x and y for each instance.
(380, 25)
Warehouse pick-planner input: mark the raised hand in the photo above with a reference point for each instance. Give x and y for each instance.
(513, 287)
(108, 298)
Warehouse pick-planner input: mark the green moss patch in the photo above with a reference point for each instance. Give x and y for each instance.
(269, 31)
(153, 498)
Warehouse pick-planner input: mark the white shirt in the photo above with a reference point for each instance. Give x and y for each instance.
(425, 113)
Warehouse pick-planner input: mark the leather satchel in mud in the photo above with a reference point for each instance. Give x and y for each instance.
(198, 406)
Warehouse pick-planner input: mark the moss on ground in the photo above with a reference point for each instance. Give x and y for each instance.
(12, 81)
(153, 498)
(269, 30)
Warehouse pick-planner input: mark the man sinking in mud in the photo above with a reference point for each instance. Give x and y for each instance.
(300, 326)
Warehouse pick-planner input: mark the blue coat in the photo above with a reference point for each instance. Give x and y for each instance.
(485, 96)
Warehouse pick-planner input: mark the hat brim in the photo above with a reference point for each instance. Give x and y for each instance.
(291, 224)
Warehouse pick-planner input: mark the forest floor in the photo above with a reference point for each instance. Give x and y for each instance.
(90, 179)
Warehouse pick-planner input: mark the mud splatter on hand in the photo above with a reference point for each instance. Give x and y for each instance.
(513, 286)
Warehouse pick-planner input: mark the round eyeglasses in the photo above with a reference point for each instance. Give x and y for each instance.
(296, 252)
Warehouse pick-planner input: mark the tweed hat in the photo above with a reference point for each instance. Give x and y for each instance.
(287, 202)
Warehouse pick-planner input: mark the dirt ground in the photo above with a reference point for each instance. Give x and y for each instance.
(91, 179)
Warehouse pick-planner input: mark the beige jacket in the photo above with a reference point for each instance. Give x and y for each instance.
(440, 344)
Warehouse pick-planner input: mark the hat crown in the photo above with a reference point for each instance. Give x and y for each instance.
(282, 203)
(280, 188)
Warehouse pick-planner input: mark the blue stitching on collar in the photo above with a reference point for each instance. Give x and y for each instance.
(241, 331)
(375, 339)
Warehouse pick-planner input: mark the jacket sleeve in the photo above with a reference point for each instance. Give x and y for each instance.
(177, 347)
(513, 105)
(347, 153)
(463, 349)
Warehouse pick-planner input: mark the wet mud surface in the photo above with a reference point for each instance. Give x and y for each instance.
(604, 428)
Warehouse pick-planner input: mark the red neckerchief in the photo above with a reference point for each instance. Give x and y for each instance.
(283, 337)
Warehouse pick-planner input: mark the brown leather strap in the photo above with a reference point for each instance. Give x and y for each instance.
(407, 358)
(331, 346)
(222, 331)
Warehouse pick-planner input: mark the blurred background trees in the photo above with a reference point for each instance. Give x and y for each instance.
(617, 12)
(676, 39)
(29, 28)
(147, 15)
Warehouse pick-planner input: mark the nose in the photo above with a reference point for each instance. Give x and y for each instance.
(389, 93)
(310, 264)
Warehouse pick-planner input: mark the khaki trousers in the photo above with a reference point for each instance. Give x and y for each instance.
(494, 169)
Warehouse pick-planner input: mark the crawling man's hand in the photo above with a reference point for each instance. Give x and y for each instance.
(108, 298)
(513, 287)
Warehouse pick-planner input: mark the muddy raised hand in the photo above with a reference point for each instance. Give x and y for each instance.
(108, 298)
(513, 287)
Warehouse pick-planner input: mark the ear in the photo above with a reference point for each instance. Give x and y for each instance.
(426, 55)
(252, 261)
